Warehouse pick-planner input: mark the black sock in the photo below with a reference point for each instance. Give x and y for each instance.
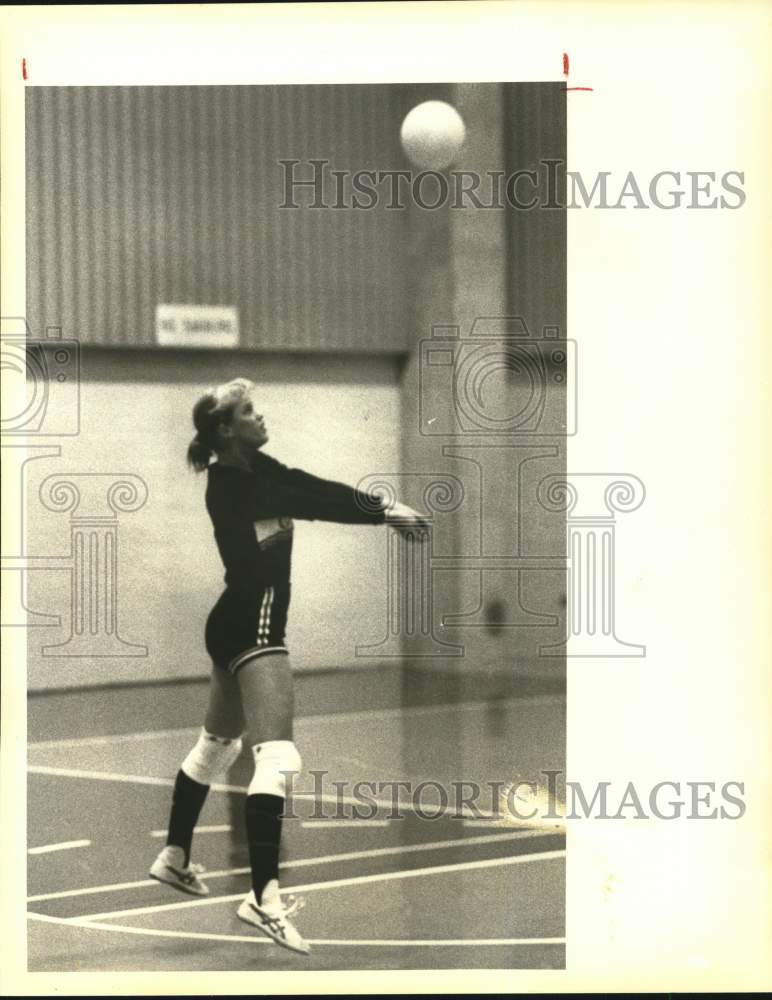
(263, 834)
(187, 799)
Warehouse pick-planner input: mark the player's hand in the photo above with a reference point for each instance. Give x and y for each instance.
(401, 517)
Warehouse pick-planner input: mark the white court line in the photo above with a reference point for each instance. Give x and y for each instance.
(115, 887)
(338, 823)
(65, 845)
(394, 943)
(462, 812)
(224, 828)
(375, 852)
(106, 741)
(141, 779)
(131, 779)
(435, 845)
(363, 715)
(331, 884)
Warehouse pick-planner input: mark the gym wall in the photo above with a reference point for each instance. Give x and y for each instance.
(137, 196)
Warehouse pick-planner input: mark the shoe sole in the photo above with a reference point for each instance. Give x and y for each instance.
(178, 885)
(281, 943)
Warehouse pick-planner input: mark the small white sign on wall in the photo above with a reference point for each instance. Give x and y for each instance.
(196, 326)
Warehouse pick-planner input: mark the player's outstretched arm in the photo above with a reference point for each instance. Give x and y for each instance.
(295, 493)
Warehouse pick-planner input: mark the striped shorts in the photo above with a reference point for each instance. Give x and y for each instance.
(236, 633)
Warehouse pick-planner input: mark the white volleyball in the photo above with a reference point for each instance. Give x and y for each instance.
(432, 135)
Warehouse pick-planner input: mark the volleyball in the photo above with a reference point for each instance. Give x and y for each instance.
(432, 135)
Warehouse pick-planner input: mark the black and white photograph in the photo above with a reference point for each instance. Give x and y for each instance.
(358, 615)
(251, 271)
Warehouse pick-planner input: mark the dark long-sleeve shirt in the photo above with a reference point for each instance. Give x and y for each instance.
(252, 516)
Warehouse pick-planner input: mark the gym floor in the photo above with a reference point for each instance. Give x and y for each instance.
(380, 893)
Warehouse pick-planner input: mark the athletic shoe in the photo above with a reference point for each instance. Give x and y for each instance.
(169, 867)
(273, 921)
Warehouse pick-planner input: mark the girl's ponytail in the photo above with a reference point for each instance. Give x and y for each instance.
(198, 454)
(206, 417)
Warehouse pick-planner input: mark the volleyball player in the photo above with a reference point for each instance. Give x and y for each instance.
(251, 499)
